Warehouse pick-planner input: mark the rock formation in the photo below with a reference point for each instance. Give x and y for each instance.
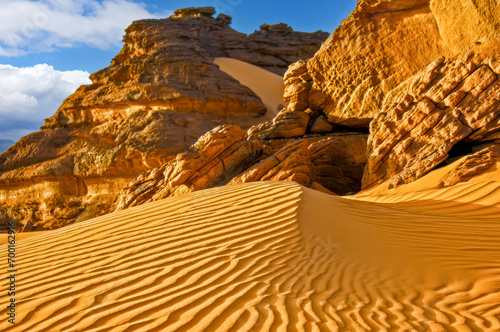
(473, 164)
(163, 91)
(381, 44)
(340, 159)
(158, 96)
(212, 161)
(451, 103)
(290, 163)
(168, 63)
(227, 155)
(285, 125)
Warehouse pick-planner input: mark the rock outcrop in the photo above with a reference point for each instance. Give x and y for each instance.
(290, 163)
(340, 159)
(228, 156)
(381, 44)
(168, 64)
(158, 96)
(336, 161)
(338, 154)
(213, 160)
(451, 104)
(473, 164)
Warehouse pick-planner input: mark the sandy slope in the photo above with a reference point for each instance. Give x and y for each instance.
(268, 86)
(19, 236)
(270, 257)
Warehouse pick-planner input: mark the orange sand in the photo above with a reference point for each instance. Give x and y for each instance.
(19, 236)
(270, 257)
(268, 86)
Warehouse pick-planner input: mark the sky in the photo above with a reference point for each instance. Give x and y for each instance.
(48, 48)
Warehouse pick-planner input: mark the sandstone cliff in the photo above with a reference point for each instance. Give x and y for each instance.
(158, 96)
(381, 44)
(449, 109)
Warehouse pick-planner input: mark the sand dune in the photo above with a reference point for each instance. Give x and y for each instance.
(19, 236)
(270, 257)
(268, 86)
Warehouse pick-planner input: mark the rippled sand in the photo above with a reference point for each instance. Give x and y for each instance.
(270, 257)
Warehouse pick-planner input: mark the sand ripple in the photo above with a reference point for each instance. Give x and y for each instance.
(269, 257)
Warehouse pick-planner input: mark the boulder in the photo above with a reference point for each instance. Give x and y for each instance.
(321, 125)
(285, 125)
(473, 164)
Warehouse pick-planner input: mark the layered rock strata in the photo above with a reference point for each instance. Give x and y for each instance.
(213, 160)
(290, 163)
(227, 155)
(452, 101)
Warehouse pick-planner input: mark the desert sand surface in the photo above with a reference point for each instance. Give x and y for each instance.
(431, 183)
(270, 257)
(19, 236)
(268, 86)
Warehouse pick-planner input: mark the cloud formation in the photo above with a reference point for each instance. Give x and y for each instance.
(45, 25)
(31, 94)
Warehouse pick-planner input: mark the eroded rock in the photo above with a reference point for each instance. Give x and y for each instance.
(473, 164)
(213, 160)
(285, 125)
(381, 44)
(448, 102)
(290, 163)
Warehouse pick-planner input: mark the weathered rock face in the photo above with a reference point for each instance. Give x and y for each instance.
(339, 157)
(478, 22)
(290, 163)
(381, 44)
(336, 161)
(451, 101)
(158, 96)
(474, 164)
(340, 160)
(213, 160)
(285, 125)
(223, 156)
(168, 63)
(227, 155)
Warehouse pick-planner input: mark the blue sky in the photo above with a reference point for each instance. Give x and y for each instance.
(49, 47)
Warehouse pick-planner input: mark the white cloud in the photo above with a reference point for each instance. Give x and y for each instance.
(44, 25)
(29, 95)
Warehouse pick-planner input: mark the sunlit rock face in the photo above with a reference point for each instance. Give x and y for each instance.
(449, 109)
(381, 44)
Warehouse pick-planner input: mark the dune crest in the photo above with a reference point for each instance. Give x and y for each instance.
(268, 256)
